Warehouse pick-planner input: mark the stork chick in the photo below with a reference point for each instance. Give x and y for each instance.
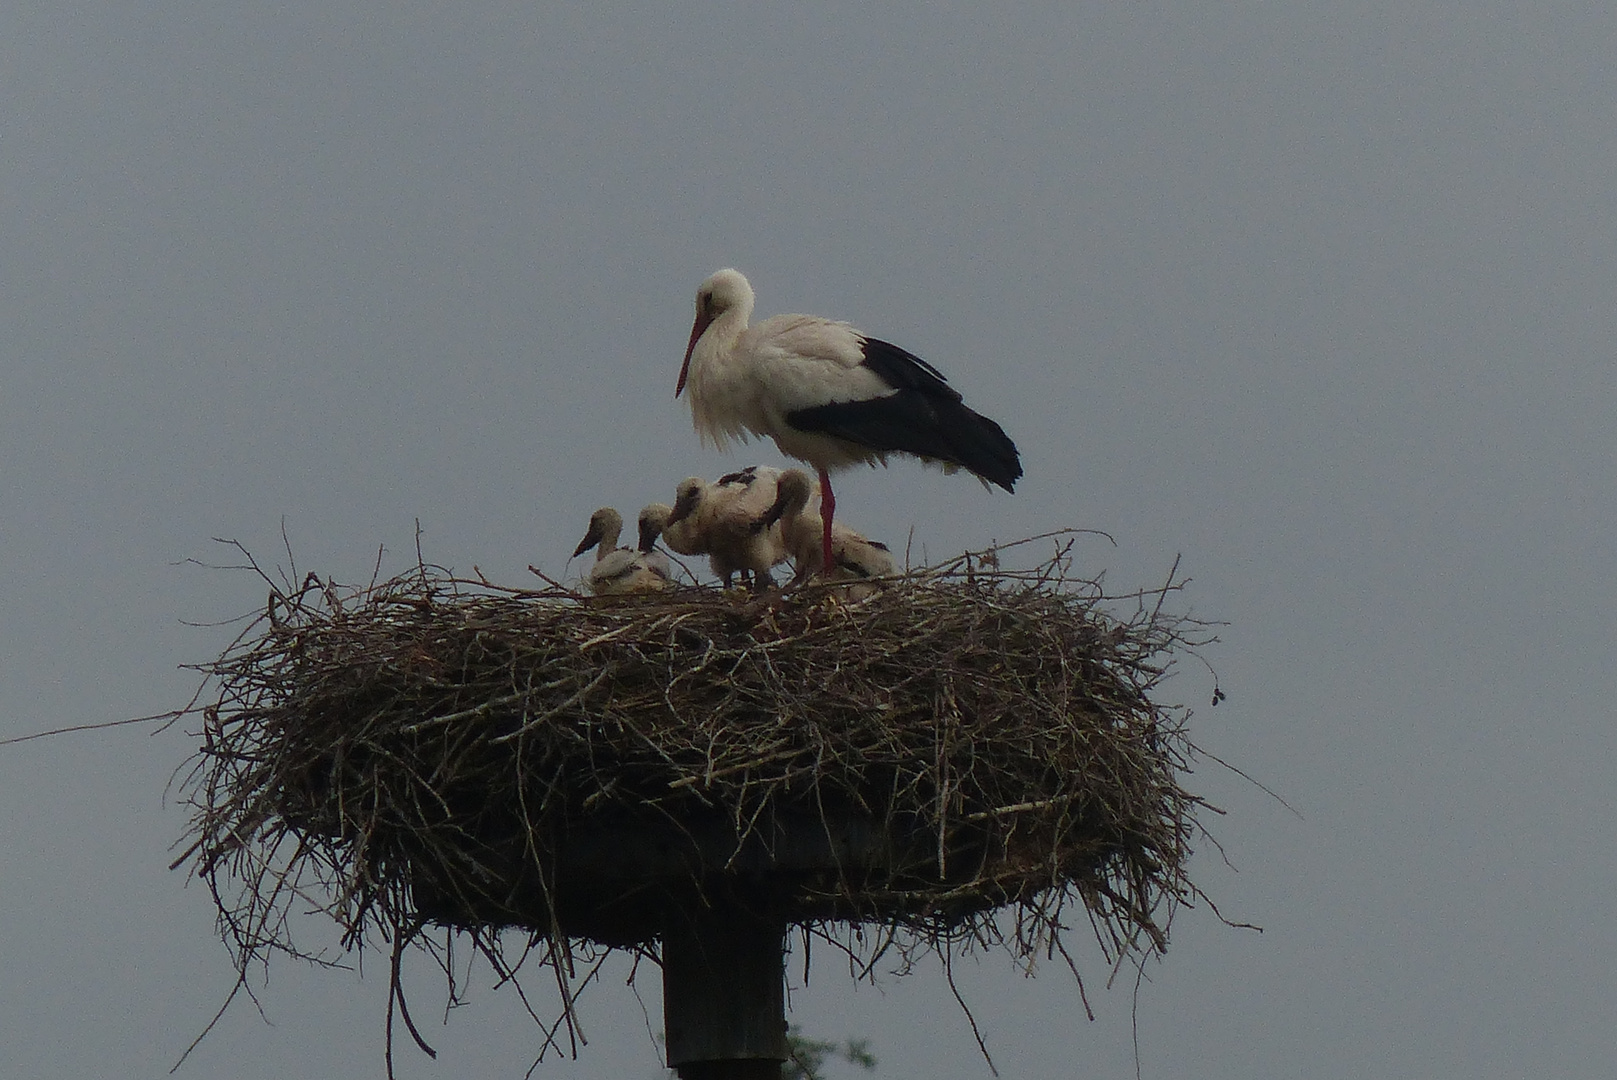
(854, 556)
(616, 570)
(722, 516)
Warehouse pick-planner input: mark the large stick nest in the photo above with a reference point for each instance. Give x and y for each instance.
(432, 750)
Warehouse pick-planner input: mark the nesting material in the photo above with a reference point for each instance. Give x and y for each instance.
(431, 750)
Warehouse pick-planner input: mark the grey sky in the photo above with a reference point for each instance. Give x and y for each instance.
(1319, 295)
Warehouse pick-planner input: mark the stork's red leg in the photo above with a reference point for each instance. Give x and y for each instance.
(828, 506)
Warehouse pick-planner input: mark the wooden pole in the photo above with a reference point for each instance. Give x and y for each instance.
(724, 1001)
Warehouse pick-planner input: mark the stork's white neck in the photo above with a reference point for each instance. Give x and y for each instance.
(720, 382)
(729, 324)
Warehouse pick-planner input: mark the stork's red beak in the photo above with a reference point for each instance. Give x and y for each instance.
(703, 321)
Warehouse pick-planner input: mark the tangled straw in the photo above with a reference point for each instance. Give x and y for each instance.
(431, 751)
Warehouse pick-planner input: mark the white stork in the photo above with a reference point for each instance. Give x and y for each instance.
(853, 555)
(722, 519)
(827, 395)
(617, 570)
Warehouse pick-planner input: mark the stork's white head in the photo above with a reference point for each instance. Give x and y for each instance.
(725, 292)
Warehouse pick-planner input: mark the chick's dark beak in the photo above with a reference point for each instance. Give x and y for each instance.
(591, 538)
(649, 531)
(682, 508)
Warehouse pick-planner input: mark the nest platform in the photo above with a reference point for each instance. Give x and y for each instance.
(435, 751)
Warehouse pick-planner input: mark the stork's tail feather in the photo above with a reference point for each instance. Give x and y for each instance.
(982, 446)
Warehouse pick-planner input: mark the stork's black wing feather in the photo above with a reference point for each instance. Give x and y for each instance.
(903, 370)
(923, 416)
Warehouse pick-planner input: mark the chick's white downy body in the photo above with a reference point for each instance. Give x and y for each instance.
(719, 520)
(854, 556)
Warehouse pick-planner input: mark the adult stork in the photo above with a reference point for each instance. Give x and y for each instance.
(828, 395)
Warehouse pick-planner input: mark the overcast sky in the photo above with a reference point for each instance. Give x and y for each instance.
(1317, 294)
